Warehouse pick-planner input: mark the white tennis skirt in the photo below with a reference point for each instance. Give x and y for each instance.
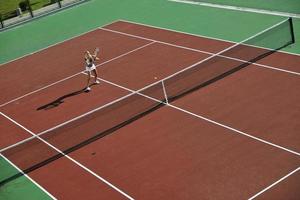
(89, 69)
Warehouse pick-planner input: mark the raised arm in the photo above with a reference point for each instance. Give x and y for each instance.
(95, 57)
(86, 59)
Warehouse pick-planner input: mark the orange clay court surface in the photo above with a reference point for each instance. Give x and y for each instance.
(228, 140)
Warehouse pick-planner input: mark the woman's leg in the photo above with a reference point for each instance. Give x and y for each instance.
(88, 79)
(96, 76)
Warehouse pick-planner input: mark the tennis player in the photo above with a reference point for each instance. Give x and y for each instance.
(91, 67)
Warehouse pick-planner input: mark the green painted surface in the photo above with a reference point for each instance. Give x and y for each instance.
(19, 188)
(290, 6)
(40, 33)
(223, 24)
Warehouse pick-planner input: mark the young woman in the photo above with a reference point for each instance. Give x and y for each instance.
(90, 67)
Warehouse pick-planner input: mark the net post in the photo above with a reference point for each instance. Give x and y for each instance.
(165, 92)
(292, 29)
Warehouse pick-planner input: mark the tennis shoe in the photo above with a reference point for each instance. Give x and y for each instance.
(87, 89)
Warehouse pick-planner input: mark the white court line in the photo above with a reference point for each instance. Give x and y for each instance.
(62, 124)
(52, 84)
(70, 158)
(29, 178)
(205, 52)
(204, 60)
(189, 67)
(40, 89)
(227, 126)
(238, 8)
(199, 116)
(152, 41)
(236, 130)
(197, 35)
(168, 77)
(73, 119)
(216, 123)
(212, 121)
(275, 183)
(131, 35)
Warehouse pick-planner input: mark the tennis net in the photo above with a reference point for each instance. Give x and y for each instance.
(54, 143)
(230, 60)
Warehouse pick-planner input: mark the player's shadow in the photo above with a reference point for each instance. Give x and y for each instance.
(60, 100)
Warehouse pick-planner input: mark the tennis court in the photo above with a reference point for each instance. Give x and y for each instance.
(175, 116)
